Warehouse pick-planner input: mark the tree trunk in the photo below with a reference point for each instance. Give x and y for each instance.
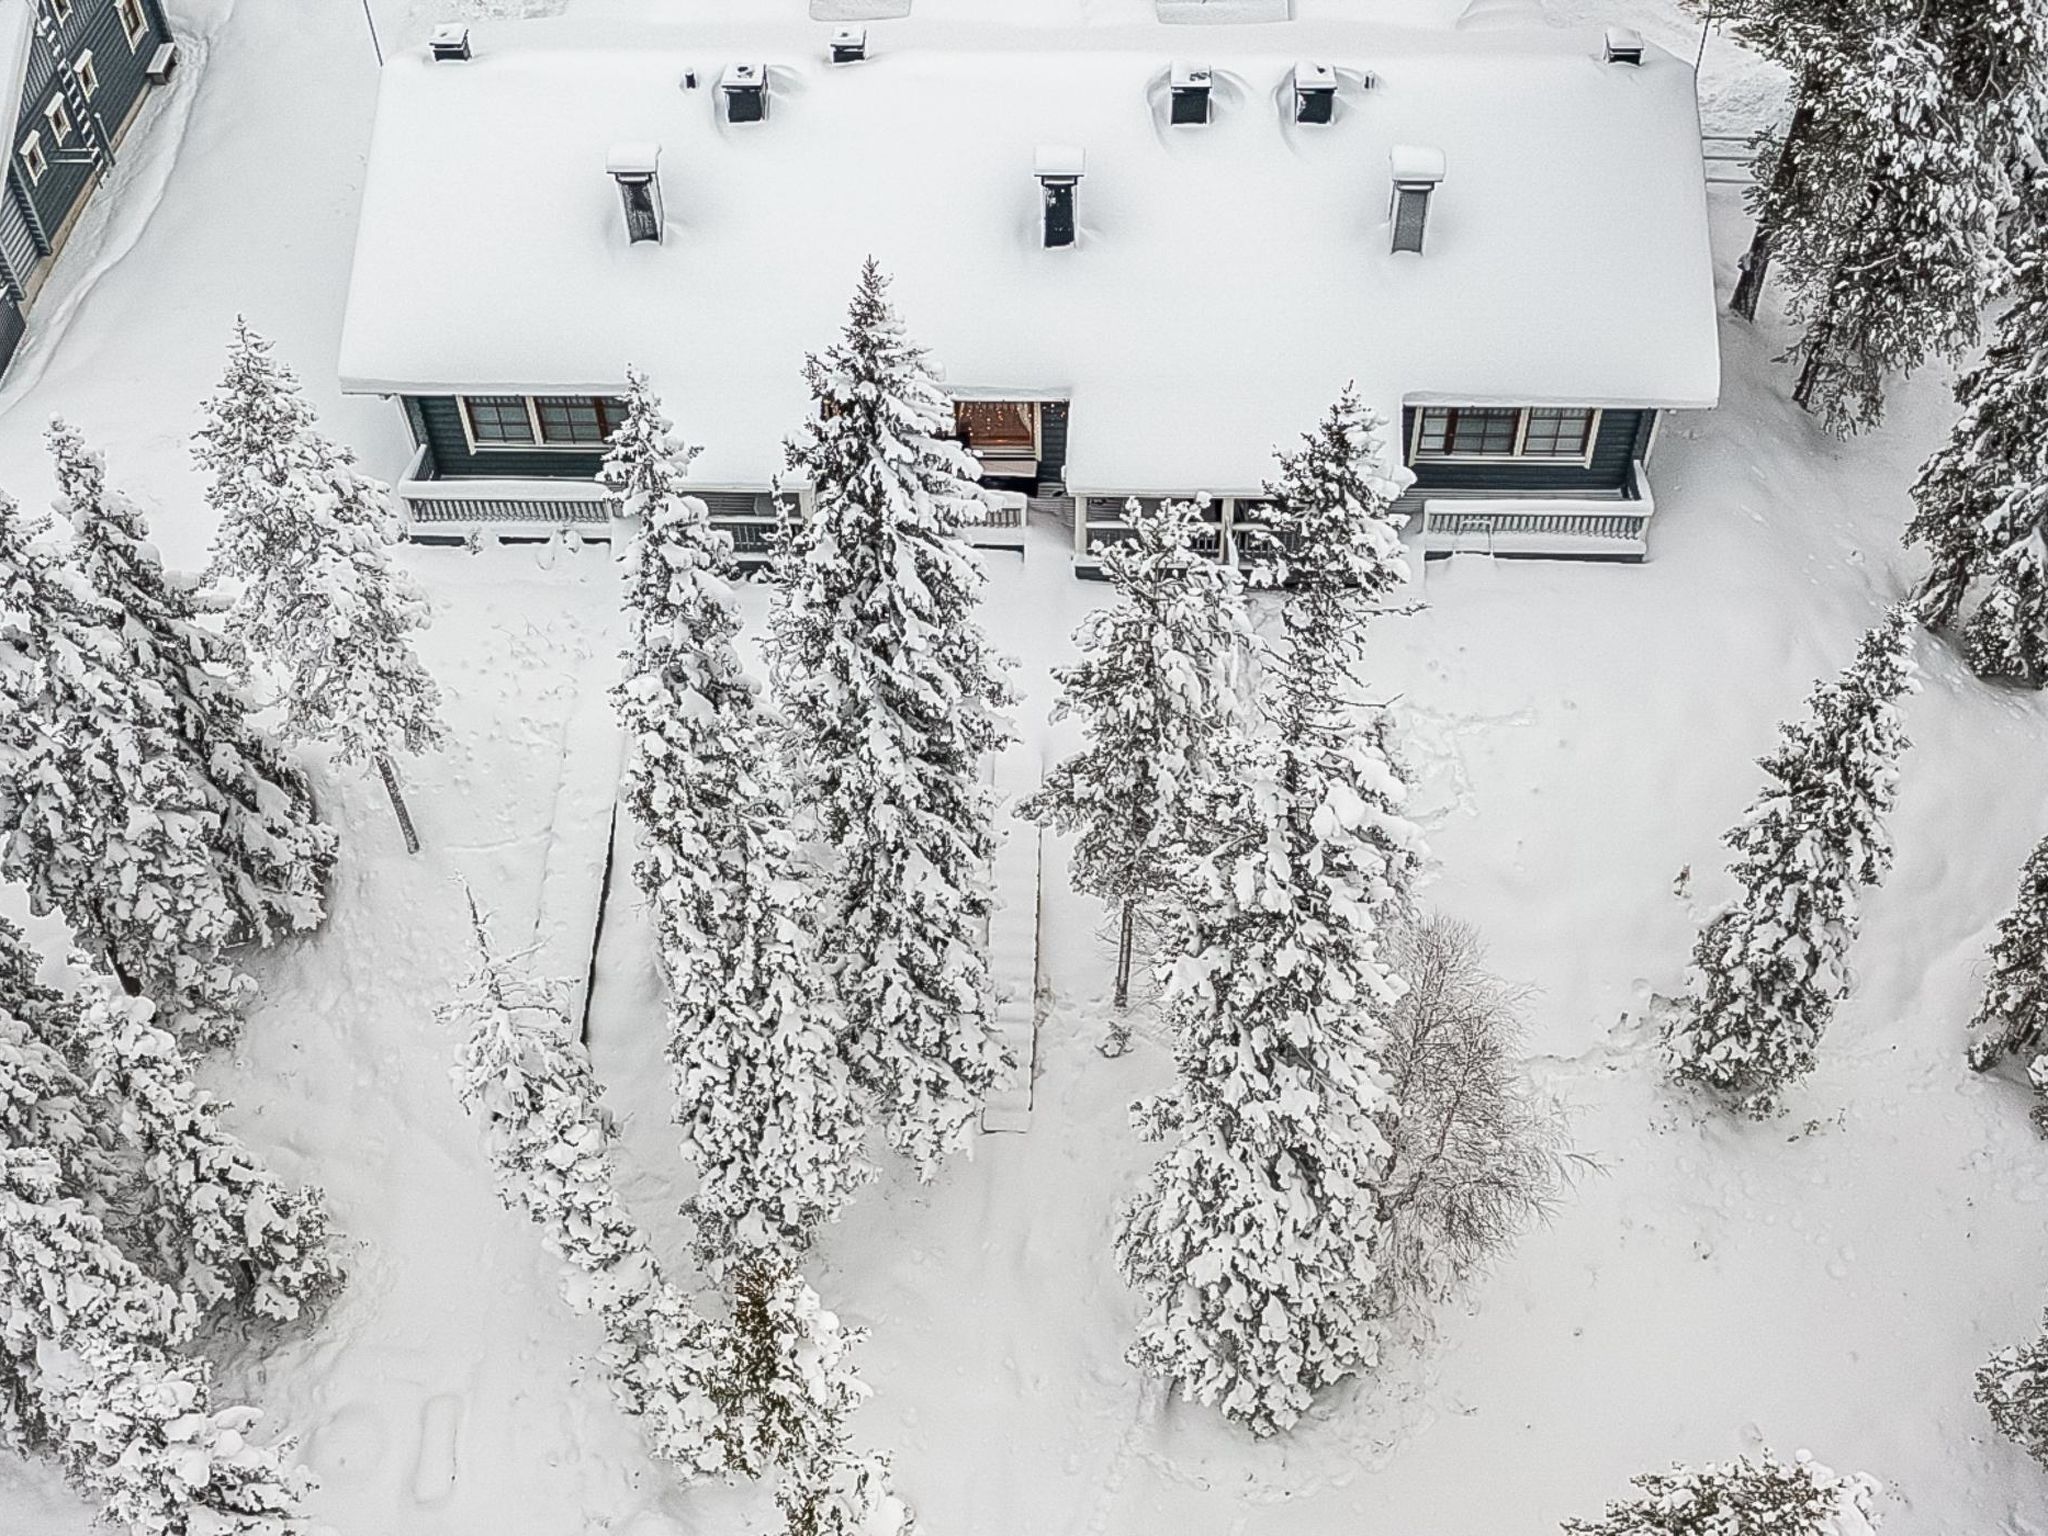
(1126, 925)
(1756, 261)
(389, 775)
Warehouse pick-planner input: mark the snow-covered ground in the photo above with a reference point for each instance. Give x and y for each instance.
(1582, 734)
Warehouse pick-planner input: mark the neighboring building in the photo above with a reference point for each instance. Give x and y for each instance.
(73, 76)
(1140, 276)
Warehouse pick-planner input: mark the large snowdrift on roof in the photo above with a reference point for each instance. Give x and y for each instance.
(1229, 278)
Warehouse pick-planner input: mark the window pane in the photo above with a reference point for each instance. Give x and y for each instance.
(569, 419)
(1557, 433)
(499, 419)
(1436, 426)
(1484, 430)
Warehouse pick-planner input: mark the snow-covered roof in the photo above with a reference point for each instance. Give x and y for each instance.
(1229, 278)
(17, 39)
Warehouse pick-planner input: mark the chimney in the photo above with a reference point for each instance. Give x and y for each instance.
(849, 45)
(1417, 171)
(1624, 45)
(746, 92)
(1315, 92)
(636, 168)
(450, 41)
(1059, 168)
(1190, 94)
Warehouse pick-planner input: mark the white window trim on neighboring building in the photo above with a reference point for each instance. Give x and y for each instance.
(1416, 455)
(538, 442)
(58, 116)
(86, 73)
(62, 9)
(134, 22)
(33, 160)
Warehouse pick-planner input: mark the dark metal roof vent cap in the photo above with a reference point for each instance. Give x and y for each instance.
(1417, 172)
(450, 41)
(636, 167)
(1189, 93)
(849, 45)
(1059, 168)
(1315, 92)
(746, 92)
(1624, 45)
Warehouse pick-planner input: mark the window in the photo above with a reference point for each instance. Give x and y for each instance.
(63, 10)
(581, 421)
(59, 118)
(997, 424)
(33, 160)
(133, 22)
(497, 419)
(1504, 432)
(88, 77)
(544, 421)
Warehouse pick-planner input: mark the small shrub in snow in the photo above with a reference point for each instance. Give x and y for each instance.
(98, 819)
(322, 601)
(1158, 681)
(1477, 1154)
(1760, 1496)
(767, 1105)
(1769, 968)
(274, 854)
(521, 1069)
(892, 693)
(2012, 1020)
(229, 1228)
(2013, 1387)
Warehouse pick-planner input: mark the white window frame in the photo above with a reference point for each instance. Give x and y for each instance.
(86, 73)
(127, 8)
(58, 116)
(1580, 461)
(33, 160)
(539, 443)
(63, 10)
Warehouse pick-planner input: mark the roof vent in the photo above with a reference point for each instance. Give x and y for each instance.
(746, 92)
(1059, 168)
(636, 168)
(1417, 171)
(1190, 94)
(1624, 45)
(849, 45)
(1315, 92)
(449, 41)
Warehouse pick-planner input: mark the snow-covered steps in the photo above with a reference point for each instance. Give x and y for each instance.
(1013, 936)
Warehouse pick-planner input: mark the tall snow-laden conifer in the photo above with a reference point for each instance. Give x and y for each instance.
(769, 1114)
(1760, 1496)
(98, 817)
(892, 695)
(274, 853)
(1337, 540)
(521, 1069)
(2012, 1020)
(1769, 968)
(1254, 1239)
(322, 602)
(228, 1227)
(1986, 489)
(1158, 682)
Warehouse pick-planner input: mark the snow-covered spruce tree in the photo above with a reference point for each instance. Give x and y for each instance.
(769, 1114)
(309, 537)
(2012, 1020)
(228, 1228)
(2007, 637)
(892, 697)
(1769, 968)
(521, 1069)
(1255, 1239)
(1991, 476)
(98, 818)
(1337, 543)
(1158, 681)
(1890, 100)
(1478, 1155)
(274, 852)
(101, 1384)
(2013, 1387)
(795, 1389)
(1759, 1496)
